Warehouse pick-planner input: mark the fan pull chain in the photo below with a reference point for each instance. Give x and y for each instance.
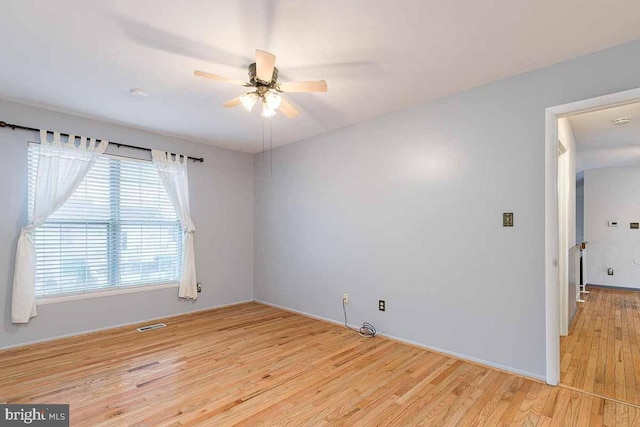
(264, 132)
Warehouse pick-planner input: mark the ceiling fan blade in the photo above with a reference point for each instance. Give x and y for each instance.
(288, 110)
(219, 78)
(232, 103)
(265, 62)
(315, 86)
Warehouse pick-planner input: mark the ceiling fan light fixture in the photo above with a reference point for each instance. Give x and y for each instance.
(248, 100)
(267, 111)
(273, 100)
(263, 78)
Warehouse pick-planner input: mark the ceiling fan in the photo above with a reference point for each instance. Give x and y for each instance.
(263, 76)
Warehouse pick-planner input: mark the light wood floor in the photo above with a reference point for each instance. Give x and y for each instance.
(255, 365)
(601, 354)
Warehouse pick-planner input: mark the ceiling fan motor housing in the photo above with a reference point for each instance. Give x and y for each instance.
(257, 82)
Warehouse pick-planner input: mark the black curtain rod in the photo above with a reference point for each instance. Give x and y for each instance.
(117, 144)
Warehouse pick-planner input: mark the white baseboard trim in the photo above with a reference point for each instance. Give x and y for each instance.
(120, 325)
(471, 359)
(303, 313)
(614, 288)
(460, 356)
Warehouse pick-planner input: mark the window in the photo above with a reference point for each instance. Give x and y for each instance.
(117, 230)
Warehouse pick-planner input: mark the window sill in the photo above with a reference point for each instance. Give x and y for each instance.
(105, 293)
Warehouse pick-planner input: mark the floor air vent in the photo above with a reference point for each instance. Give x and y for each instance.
(150, 327)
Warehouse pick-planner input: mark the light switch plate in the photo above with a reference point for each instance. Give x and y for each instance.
(507, 219)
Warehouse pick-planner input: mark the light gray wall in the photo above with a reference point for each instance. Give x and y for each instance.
(408, 208)
(221, 193)
(611, 194)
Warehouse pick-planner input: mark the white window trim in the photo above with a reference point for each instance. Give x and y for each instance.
(103, 293)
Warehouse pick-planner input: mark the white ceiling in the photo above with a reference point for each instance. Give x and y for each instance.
(600, 143)
(377, 55)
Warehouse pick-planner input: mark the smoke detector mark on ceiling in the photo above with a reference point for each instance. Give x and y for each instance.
(138, 93)
(621, 121)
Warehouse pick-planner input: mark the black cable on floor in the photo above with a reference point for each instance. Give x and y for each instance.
(367, 330)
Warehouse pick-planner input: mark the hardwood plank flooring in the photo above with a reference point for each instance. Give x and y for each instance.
(601, 354)
(256, 365)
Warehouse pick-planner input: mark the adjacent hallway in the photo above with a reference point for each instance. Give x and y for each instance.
(601, 354)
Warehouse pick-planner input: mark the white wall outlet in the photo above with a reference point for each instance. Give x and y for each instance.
(345, 298)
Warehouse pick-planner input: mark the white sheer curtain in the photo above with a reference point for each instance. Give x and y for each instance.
(61, 168)
(173, 174)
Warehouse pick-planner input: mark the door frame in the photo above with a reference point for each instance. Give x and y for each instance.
(563, 259)
(552, 234)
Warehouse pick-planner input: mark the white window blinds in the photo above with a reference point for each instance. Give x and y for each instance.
(118, 229)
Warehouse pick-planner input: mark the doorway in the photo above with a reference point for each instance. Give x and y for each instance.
(562, 254)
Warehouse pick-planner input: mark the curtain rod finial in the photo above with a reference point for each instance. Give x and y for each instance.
(3, 124)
